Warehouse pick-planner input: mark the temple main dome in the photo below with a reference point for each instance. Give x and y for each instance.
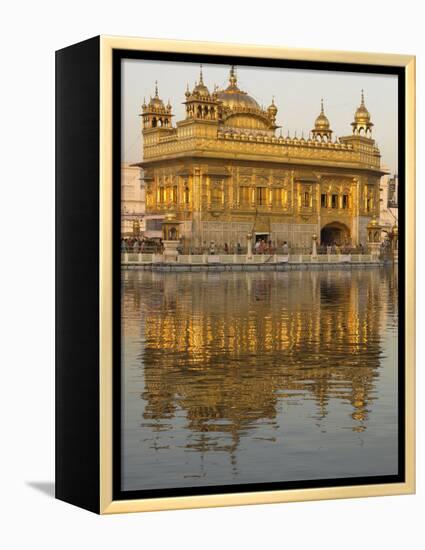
(240, 109)
(233, 98)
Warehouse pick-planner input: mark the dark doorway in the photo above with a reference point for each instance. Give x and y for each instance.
(262, 237)
(335, 233)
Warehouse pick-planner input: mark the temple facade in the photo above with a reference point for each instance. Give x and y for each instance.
(224, 172)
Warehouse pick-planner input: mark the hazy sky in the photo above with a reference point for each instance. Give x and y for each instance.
(297, 96)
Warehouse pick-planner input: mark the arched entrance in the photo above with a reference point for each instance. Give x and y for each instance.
(335, 233)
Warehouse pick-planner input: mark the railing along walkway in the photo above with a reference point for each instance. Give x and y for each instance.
(255, 259)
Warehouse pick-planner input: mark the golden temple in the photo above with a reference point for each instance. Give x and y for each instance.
(223, 172)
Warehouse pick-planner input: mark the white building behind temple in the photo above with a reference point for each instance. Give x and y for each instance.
(388, 201)
(132, 200)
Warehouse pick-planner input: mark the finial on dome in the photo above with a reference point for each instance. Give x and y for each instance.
(272, 111)
(362, 103)
(232, 77)
(201, 76)
(156, 88)
(321, 107)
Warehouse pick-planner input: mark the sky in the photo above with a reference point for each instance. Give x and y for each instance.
(297, 94)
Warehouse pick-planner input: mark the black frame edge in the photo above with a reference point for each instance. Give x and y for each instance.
(77, 95)
(400, 72)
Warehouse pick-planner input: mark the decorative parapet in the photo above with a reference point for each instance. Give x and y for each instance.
(289, 149)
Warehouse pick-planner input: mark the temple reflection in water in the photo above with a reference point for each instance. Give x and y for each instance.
(239, 364)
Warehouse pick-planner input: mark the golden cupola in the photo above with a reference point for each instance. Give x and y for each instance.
(272, 111)
(200, 103)
(155, 114)
(322, 128)
(362, 124)
(200, 90)
(241, 112)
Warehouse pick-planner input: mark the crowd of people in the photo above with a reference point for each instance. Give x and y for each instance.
(141, 244)
(341, 249)
(261, 246)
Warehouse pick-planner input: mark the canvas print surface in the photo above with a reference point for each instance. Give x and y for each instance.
(259, 275)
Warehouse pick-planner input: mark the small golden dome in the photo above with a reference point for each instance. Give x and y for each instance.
(200, 90)
(362, 115)
(322, 123)
(373, 223)
(272, 109)
(156, 102)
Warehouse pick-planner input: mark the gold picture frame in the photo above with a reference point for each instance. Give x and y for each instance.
(106, 504)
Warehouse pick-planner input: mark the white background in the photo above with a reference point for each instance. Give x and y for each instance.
(30, 32)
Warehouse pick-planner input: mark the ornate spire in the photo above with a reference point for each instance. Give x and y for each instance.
(362, 123)
(232, 77)
(272, 111)
(322, 128)
(201, 76)
(155, 113)
(155, 103)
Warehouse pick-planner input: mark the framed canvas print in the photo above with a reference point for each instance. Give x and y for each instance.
(235, 274)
